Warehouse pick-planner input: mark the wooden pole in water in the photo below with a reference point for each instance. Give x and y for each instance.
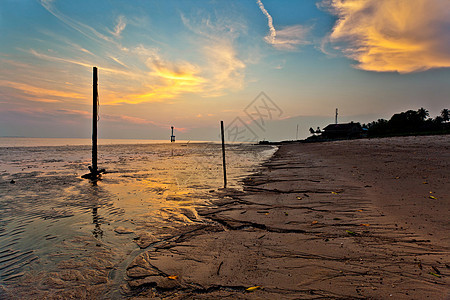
(95, 172)
(223, 156)
(94, 122)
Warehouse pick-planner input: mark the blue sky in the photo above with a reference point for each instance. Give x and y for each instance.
(191, 64)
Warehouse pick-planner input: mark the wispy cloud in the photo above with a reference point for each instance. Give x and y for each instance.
(392, 35)
(118, 61)
(224, 69)
(61, 40)
(156, 77)
(87, 64)
(126, 119)
(59, 59)
(121, 23)
(33, 115)
(287, 38)
(79, 48)
(130, 73)
(40, 94)
(75, 112)
(290, 37)
(82, 28)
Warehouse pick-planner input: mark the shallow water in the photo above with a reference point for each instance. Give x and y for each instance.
(60, 232)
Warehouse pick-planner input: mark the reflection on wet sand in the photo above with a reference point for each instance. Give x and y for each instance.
(61, 236)
(97, 231)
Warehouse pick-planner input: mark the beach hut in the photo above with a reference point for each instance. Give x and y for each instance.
(342, 131)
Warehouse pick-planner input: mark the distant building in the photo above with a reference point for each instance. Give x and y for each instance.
(342, 131)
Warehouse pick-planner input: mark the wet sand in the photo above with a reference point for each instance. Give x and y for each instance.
(63, 237)
(340, 220)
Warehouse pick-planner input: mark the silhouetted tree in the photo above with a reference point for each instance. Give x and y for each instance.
(410, 122)
(438, 120)
(445, 115)
(423, 113)
(378, 127)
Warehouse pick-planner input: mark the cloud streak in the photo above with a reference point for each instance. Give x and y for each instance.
(40, 94)
(272, 32)
(224, 70)
(84, 29)
(392, 35)
(287, 38)
(120, 26)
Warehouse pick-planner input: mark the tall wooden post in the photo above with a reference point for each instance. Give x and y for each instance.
(94, 171)
(223, 156)
(94, 122)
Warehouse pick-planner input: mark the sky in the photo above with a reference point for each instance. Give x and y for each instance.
(270, 69)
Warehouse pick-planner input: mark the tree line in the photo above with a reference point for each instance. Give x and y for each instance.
(410, 122)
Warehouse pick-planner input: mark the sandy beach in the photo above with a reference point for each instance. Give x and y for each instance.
(358, 219)
(361, 219)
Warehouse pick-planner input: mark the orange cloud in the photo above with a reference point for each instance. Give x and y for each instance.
(184, 72)
(224, 69)
(139, 73)
(161, 80)
(168, 79)
(39, 94)
(393, 35)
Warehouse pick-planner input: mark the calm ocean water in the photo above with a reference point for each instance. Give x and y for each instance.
(53, 223)
(36, 142)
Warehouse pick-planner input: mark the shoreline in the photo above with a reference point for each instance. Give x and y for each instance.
(318, 140)
(317, 222)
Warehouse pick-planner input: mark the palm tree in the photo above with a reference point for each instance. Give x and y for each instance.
(445, 115)
(423, 113)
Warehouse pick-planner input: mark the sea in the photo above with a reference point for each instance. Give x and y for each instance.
(60, 233)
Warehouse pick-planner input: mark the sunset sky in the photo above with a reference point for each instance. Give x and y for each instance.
(190, 64)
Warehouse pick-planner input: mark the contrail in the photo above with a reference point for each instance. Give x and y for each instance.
(273, 33)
